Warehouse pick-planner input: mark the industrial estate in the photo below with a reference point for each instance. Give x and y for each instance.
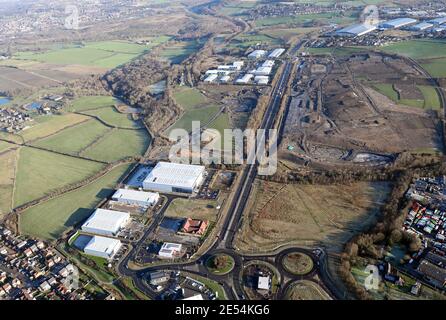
(91, 191)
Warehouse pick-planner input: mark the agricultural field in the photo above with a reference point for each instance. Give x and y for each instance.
(5, 146)
(50, 219)
(8, 162)
(196, 209)
(306, 290)
(114, 118)
(40, 172)
(431, 54)
(91, 102)
(309, 214)
(237, 9)
(307, 18)
(117, 144)
(103, 54)
(204, 115)
(180, 51)
(51, 124)
(189, 98)
(74, 139)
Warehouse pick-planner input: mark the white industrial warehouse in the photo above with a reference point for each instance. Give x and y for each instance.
(245, 79)
(398, 23)
(174, 177)
(256, 54)
(421, 26)
(438, 21)
(356, 30)
(102, 247)
(276, 53)
(106, 222)
(134, 197)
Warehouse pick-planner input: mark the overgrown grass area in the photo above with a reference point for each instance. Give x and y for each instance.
(50, 219)
(40, 172)
(180, 51)
(308, 214)
(193, 208)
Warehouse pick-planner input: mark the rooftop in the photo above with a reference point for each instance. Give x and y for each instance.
(175, 174)
(357, 29)
(102, 244)
(134, 195)
(106, 220)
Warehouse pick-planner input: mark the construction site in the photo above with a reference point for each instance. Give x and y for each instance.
(361, 109)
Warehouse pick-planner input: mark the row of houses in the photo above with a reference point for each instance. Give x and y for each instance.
(32, 270)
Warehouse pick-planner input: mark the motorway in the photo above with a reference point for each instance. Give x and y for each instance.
(231, 282)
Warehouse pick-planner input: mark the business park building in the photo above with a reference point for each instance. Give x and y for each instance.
(106, 222)
(174, 177)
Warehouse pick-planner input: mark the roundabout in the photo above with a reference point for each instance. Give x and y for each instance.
(220, 264)
(297, 263)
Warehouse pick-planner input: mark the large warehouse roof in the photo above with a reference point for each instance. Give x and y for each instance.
(134, 195)
(102, 245)
(422, 26)
(175, 174)
(356, 30)
(440, 20)
(397, 23)
(106, 221)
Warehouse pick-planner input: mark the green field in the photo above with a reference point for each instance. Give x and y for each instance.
(91, 102)
(106, 54)
(45, 126)
(236, 9)
(204, 115)
(430, 100)
(118, 144)
(5, 146)
(431, 54)
(50, 219)
(8, 162)
(436, 67)
(114, 118)
(189, 98)
(74, 139)
(307, 18)
(418, 49)
(40, 172)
